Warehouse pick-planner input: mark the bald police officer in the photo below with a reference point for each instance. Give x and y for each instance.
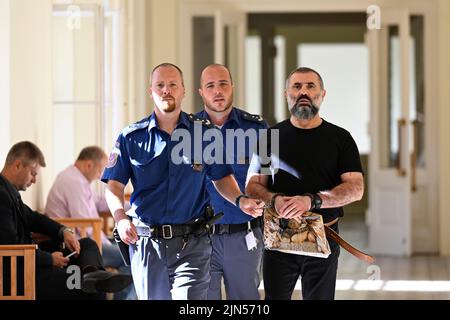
(237, 238)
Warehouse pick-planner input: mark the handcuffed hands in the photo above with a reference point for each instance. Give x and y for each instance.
(292, 207)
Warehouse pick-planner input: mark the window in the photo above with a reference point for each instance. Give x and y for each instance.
(77, 81)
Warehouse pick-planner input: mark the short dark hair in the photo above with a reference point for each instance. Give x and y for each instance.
(216, 65)
(304, 70)
(93, 153)
(167, 65)
(27, 152)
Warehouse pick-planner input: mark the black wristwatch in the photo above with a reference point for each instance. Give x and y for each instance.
(316, 201)
(238, 199)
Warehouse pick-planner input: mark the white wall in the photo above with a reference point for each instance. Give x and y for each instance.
(4, 80)
(444, 128)
(142, 48)
(344, 70)
(164, 27)
(31, 85)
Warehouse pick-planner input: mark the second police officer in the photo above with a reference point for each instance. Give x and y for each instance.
(237, 237)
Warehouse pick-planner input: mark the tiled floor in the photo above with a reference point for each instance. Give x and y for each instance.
(416, 277)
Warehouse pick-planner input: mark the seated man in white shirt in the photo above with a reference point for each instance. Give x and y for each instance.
(71, 196)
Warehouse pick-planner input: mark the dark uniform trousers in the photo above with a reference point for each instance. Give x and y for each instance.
(318, 275)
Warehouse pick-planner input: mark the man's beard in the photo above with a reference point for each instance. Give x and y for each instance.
(218, 109)
(303, 112)
(169, 106)
(226, 105)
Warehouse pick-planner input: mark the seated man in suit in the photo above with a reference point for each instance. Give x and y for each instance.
(71, 196)
(17, 221)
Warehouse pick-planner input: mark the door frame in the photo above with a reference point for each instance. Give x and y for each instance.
(223, 14)
(390, 195)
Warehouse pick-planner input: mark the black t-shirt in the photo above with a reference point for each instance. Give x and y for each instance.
(312, 160)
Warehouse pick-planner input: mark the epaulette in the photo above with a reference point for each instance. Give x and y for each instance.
(252, 117)
(135, 126)
(193, 118)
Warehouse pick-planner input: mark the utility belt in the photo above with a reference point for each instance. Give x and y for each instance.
(169, 231)
(198, 227)
(234, 228)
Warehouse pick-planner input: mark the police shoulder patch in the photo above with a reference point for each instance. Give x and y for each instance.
(252, 117)
(112, 160)
(136, 126)
(193, 118)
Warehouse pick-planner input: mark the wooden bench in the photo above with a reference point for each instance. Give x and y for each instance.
(108, 222)
(81, 225)
(28, 252)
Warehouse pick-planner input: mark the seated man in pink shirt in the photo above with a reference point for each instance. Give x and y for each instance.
(71, 196)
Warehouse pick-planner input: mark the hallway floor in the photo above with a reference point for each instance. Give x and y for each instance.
(389, 278)
(416, 277)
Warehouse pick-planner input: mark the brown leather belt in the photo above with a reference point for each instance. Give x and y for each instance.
(344, 244)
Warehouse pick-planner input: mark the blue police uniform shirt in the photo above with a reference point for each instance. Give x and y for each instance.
(239, 155)
(163, 192)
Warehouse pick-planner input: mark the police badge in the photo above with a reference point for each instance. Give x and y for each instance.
(112, 160)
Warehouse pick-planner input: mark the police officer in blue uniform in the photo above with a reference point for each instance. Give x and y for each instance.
(237, 237)
(169, 199)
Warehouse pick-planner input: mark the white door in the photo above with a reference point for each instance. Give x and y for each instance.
(389, 163)
(228, 46)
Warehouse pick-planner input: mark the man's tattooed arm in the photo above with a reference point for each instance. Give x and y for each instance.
(350, 190)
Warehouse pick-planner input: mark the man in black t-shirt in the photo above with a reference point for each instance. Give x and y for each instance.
(319, 170)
